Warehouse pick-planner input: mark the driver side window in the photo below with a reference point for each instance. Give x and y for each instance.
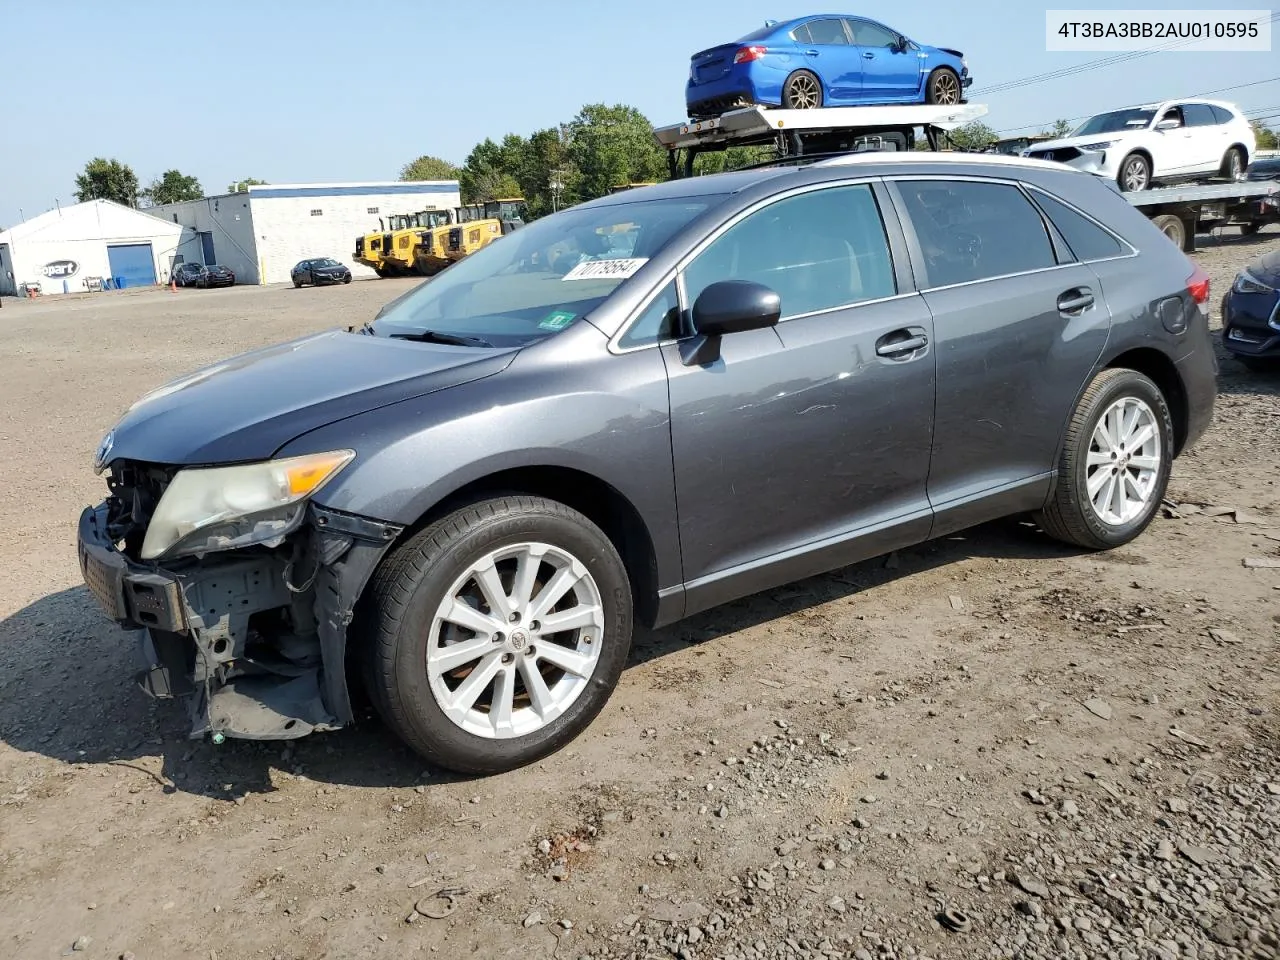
(817, 250)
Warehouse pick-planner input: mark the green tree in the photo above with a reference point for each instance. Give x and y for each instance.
(427, 167)
(107, 180)
(173, 187)
(1060, 129)
(734, 158)
(972, 136)
(611, 146)
(488, 173)
(1267, 138)
(242, 186)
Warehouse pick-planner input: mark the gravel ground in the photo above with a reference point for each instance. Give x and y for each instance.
(987, 746)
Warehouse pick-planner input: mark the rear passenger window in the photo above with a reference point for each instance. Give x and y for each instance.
(828, 32)
(818, 250)
(1199, 115)
(973, 231)
(1221, 114)
(1087, 240)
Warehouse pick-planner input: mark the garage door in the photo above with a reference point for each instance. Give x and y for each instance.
(132, 265)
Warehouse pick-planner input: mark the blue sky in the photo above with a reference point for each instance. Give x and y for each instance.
(327, 90)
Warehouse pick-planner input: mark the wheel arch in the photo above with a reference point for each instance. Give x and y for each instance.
(598, 500)
(1161, 370)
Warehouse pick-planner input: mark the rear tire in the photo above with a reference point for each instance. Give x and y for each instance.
(943, 87)
(1104, 497)
(468, 579)
(1173, 228)
(297, 284)
(802, 91)
(1233, 164)
(1249, 229)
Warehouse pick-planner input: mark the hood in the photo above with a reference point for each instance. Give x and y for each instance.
(1267, 269)
(247, 407)
(1081, 141)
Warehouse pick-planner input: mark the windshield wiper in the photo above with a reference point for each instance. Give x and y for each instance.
(435, 336)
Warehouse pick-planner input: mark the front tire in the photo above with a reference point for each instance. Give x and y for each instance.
(802, 91)
(943, 87)
(1115, 463)
(1135, 173)
(498, 633)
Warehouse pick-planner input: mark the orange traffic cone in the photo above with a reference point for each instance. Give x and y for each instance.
(173, 284)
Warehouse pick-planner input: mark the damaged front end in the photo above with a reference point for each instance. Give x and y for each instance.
(244, 616)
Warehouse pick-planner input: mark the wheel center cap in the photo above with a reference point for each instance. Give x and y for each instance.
(519, 640)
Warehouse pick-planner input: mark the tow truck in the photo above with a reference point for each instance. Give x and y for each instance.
(1179, 211)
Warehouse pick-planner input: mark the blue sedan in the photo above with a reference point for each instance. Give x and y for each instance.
(823, 61)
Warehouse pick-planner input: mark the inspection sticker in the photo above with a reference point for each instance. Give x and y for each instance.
(557, 320)
(605, 269)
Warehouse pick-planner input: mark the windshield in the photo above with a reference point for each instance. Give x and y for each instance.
(325, 262)
(544, 277)
(1115, 121)
(760, 34)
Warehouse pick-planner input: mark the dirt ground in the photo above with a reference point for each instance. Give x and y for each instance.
(1077, 752)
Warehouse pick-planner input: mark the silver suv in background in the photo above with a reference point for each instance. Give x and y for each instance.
(634, 410)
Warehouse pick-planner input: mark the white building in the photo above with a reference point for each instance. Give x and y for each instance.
(261, 234)
(60, 250)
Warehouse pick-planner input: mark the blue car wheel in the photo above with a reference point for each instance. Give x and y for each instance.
(802, 91)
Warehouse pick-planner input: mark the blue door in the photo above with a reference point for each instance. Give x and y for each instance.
(825, 49)
(206, 245)
(888, 73)
(132, 265)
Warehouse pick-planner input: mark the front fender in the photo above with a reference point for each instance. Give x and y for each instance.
(607, 417)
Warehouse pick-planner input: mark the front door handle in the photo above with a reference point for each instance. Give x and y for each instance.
(900, 343)
(867, 54)
(811, 53)
(1076, 300)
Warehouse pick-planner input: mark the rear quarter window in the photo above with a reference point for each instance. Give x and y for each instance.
(969, 230)
(1087, 240)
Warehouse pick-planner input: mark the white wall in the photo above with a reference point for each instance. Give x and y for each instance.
(80, 234)
(286, 231)
(229, 219)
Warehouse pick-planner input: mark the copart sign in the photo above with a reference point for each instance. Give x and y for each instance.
(60, 269)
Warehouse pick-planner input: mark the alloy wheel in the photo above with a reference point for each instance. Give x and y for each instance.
(946, 90)
(515, 641)
(804, 93)
(1123, 465)
(1135, 174)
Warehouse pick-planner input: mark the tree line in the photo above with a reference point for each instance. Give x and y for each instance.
(600, 148)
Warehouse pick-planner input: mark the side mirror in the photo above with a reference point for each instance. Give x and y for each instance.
(1168, 125)
(733, 306)
(730, 306)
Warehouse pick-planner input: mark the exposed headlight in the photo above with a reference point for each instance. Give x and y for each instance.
(1248, 283)
(224, 508)
(1100, 145)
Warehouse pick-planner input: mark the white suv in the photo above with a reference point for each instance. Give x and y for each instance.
(1157, 141)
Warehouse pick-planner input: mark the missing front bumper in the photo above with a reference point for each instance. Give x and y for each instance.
(253, 644)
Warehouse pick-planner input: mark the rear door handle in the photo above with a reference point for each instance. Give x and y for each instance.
(811, 53)
(1075, 301)
(867, 54)
(900, 343)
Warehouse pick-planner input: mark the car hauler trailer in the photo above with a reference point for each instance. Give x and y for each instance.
(1183, 211)
(828, 130)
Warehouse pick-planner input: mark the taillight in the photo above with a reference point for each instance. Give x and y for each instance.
(747, 54)
(1198, 284)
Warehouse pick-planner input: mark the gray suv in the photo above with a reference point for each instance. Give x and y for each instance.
(634, 410)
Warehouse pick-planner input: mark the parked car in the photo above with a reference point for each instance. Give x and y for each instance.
(188, 274)
(1251, 314)
(1173, 140)
(319, 270)
(789, 369)
(823, 61)
(1263, 168)
(216, 275)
